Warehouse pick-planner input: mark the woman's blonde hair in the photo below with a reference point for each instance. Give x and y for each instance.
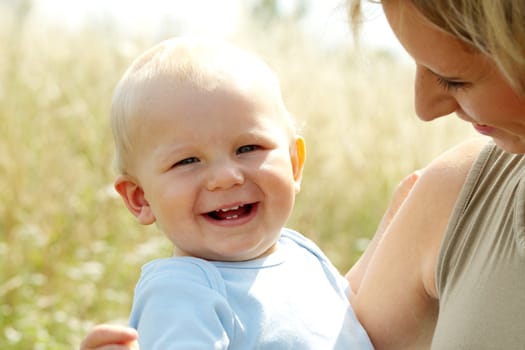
(494, 27)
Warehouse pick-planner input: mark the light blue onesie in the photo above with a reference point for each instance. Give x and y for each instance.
(292, 299)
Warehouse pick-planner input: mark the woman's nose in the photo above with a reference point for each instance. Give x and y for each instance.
(432, 100)
(223, 176)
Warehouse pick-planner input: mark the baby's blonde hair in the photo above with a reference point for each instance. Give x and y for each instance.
(494, 27)
(198, 62)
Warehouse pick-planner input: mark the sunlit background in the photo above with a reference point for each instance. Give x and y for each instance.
(325, 20)
(70, 251)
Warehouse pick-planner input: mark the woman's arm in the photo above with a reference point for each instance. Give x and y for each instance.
(396, 297)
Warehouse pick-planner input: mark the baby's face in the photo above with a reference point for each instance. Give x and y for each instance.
(218, 168)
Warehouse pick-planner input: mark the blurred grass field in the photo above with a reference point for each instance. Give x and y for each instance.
(71, 252)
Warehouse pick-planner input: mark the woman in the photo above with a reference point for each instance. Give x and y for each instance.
(449, 271)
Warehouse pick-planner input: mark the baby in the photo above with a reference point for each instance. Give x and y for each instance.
(207, 150)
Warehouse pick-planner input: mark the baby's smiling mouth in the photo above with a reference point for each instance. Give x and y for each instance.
(232, 213)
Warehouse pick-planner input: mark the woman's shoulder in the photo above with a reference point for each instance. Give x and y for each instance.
(444, 177)
(454, 164)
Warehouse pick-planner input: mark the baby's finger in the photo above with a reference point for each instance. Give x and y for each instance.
(106, 335)
(403, 189)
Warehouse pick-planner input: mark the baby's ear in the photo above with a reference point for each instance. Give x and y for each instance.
(297, 157)
(133, 196)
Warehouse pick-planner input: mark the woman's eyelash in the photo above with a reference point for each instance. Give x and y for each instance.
(450, 85)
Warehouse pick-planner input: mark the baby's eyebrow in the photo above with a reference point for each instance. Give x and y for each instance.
(165, 153)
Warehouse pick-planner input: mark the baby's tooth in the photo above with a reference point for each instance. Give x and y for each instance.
(225, 210)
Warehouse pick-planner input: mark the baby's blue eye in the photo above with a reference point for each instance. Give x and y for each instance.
(186, 161)
(247, 148)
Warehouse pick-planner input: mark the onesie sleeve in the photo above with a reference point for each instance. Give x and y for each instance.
(181, 304)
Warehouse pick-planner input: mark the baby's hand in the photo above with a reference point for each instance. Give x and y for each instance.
(401, 193)
(110, 337)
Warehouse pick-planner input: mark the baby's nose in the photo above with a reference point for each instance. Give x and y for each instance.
(224, 176)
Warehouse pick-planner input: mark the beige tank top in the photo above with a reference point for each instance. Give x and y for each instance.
(480, 275)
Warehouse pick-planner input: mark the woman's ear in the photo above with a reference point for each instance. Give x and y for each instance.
(298, 157)
(133, 196)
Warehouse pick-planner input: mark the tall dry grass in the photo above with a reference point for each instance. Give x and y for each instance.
(71, 252)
